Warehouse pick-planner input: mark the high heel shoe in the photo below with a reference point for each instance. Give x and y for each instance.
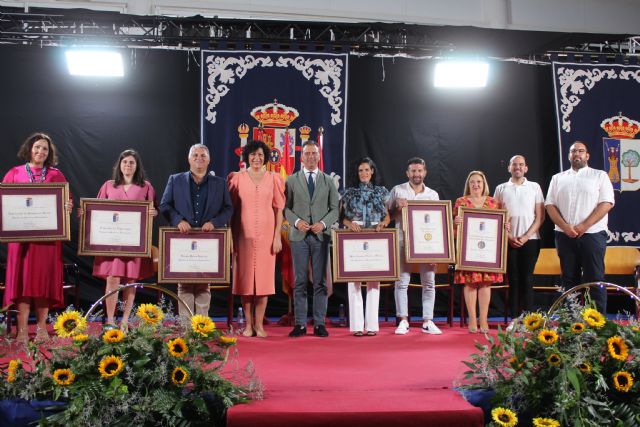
(484, 330)
(22, 337)
(473, 330)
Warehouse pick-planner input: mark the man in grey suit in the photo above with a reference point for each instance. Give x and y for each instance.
(311, 209)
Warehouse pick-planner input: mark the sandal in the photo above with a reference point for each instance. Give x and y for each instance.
(42, 335)
(358, 334)
(371, 333)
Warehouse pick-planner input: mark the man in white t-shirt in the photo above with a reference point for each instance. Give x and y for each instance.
(413, 190)
(524, 201)
(578, 202)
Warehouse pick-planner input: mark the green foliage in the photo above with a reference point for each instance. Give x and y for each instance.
(146, 391)
(579, 388)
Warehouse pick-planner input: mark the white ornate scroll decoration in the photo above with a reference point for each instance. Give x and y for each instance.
(627, 236)
(573, 84)
(326, 73)
(223, 71)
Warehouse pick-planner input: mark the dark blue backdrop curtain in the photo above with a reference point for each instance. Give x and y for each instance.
(598, 104)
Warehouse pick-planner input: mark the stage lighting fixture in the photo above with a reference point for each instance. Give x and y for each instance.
(461, 74)
(98, 63)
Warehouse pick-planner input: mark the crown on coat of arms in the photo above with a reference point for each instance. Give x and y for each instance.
(274, 114)
(620, 127)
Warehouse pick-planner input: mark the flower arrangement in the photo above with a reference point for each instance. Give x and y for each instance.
(156, 373)
(573, 367)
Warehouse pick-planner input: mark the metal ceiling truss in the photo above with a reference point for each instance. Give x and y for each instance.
(76, 27)
(61, 28)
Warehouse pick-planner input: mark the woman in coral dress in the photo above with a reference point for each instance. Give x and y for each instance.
(128, 183)
(258, 201)
(477, 285)
(35, 269)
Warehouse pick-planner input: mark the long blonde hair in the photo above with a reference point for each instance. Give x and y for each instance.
(467, 190)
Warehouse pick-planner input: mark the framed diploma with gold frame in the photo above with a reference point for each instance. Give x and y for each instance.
(482, 240)
(428, 231)
(194, 257)
(365, 255)
(115, 228)
(34, 212)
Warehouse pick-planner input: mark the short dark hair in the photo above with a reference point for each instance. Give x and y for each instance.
(354, 178)
(309, 142)
(138, 175)
(252, 146)
(24, 152)
(416, 161)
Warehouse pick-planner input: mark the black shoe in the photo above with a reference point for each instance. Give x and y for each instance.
(298, 331)
(320, 331)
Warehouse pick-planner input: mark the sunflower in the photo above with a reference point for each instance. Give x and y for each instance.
(80, 338)
(504, 417)
(533, 321)
(593, 318)
(635, 328)
(547, 336)
(513, 362)
(70, 323)
(554, 359)
(545, 422)
(576, 328)
(177, 347)
(150, 314)
(202, 325)
(228, 340)
(584, 367)
(112, 336)
(179, 376)
(12, 371)
(63, 376)
(110, 366)
(623, 381)
(617, 348)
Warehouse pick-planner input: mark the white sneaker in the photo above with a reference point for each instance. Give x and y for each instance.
(428, 327)
(403, 328)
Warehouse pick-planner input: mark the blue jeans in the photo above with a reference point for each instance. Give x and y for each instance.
(582, 261)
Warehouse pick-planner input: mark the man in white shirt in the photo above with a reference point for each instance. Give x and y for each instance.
(413, 190)
(524, 201)
(578, 202)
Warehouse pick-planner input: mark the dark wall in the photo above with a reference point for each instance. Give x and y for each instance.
(393, 113)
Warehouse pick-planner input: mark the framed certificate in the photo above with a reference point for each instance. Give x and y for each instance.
(115, 228)
(194, 257)
(365, 255)
(482, 240)
(34, 212)
(428, 231)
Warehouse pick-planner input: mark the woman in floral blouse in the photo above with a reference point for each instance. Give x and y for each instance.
(363, 205)
(477, 285)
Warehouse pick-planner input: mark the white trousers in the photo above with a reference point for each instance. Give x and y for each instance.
(359, 320)
(428, 281)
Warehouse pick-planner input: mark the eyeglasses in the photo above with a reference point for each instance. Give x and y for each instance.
(578, 150)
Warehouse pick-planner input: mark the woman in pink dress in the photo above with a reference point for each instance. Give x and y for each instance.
(477, 285)
(35, 270)
(128, 183)
(258, 201)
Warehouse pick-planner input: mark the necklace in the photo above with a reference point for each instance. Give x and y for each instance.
(32, 177)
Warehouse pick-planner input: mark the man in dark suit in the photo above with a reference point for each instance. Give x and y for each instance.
(311, 209)
(196, 199)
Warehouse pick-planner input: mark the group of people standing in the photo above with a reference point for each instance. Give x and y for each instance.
(253, 203)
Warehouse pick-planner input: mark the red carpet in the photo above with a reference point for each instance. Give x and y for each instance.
(386, 380)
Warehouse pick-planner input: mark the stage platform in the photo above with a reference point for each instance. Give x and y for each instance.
(342, 380)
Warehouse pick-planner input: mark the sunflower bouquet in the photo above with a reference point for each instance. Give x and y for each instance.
(573, 367)
(161, 371)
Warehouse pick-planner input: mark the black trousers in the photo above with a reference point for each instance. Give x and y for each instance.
(582, 261)
(520, 264)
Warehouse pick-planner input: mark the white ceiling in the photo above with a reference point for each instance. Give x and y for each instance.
(590, 16)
